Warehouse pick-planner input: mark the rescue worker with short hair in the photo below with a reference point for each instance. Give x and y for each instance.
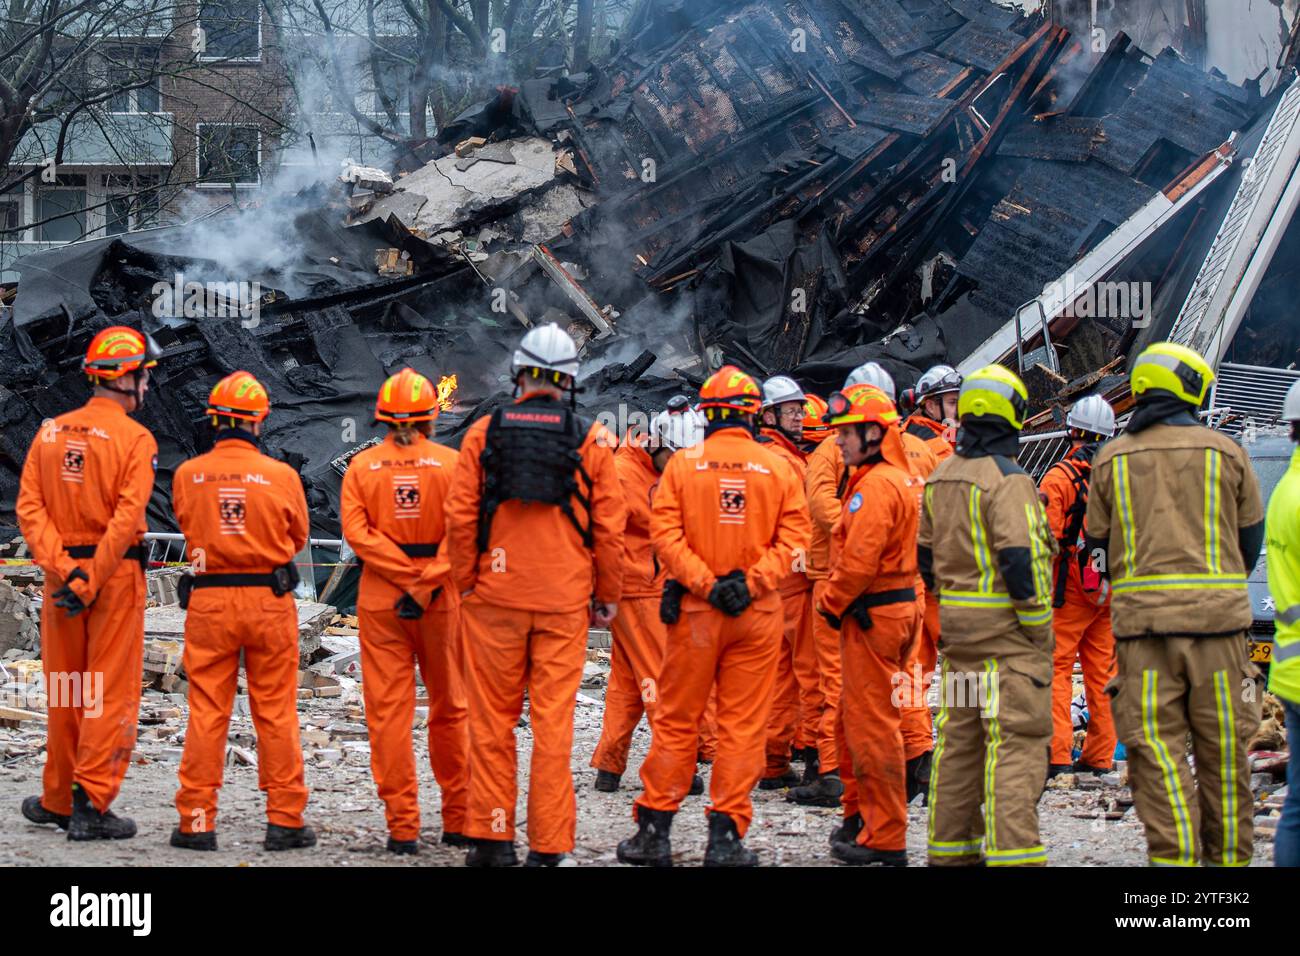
(534, 530)
(81, 505)
(1175, 518)
(1080, 597)
(870, 599)
(244, 517)
(392, 516)
(727, 521)
(986, 547)
(639, 635)
(797, 702)
(1283, 549)
(827, 479)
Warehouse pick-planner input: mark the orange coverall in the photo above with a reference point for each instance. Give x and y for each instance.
(639, 635)
(876, 553)
(85, 482)
(393, 496)
(242, 512)
(797, 701)
(524, 627)
(1082, 629)
(730, 505)
(825, 482)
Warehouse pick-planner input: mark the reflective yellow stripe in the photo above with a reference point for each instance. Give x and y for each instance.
(940, 721)
(979, 541)
(1030, 854)
(1211, 516)
(1227, 764)
(1168, 771)
(974, 599)
(1040, 555)
(991, 754)
(1165, 861)
(1034, 618)
(1124, 499)
(967, 848)
(1179, 582)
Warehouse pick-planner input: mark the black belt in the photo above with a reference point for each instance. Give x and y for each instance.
(232, 581)
(420, 550)
(134, 553)
(281, 581)
(881, 598)
(137, 552)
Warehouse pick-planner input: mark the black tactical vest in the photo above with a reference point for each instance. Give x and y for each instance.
(532, 454)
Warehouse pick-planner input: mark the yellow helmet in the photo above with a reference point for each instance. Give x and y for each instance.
(1176, 369)
(994, 391)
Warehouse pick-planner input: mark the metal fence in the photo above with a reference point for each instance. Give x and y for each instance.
(1246, 396)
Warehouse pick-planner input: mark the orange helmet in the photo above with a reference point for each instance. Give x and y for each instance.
(730, 388)
(815, 428)
(118, 351)
(407, 397)
(861, 404)
(241, 396)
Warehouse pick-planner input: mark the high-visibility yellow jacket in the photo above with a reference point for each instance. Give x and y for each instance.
(1170, 502)
(1283, 535)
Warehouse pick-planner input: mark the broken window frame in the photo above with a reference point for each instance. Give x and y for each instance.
(207, 56)
(200, 182)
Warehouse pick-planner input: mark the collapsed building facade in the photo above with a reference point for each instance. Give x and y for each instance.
(793, 187)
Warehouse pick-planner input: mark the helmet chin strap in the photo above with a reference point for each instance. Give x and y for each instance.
(134, 391)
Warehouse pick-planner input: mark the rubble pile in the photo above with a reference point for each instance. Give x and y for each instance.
(793, 187)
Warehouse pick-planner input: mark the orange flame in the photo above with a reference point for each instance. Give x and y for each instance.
(446, 392)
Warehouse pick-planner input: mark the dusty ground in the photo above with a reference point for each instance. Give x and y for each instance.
(348, 817)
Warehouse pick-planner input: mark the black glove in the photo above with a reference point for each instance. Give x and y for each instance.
(831, 619)
(66, 598)
(670, 605)
(730, 594)
(408, 609)
(862, 614)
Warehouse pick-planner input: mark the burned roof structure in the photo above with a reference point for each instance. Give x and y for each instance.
(792, 187)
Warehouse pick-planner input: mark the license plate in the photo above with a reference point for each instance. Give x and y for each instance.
(1261, 652)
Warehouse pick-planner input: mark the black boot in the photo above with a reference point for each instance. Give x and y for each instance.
(491, 853)
(35, 811)
(87, 823)
(811, 766)
(847, 831)
(788, 779)
(288, 838)
(1056, 769)
(650, 846)
(918, 776)
(697, 785)
(193, 841)
(607, 782)
(856, 855)
(825, 791)
(455, 839)
(545, 859)
(725, 848)
(1080, 767)
(403, 847)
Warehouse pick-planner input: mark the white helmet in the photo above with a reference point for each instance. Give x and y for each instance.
(780, 389)
(549, 347)
(678, 429)
(871, 373)
(1291, 407)
(1094, 415)
(939, 380)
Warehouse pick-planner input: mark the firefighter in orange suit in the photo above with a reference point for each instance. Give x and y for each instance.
(639, 633)
(797, 701)
(870, 599)
(244, 517)
(728, 520)
(392, 515)
(826, 481)
(1081, 598)
(534, 528)
(85, 484)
